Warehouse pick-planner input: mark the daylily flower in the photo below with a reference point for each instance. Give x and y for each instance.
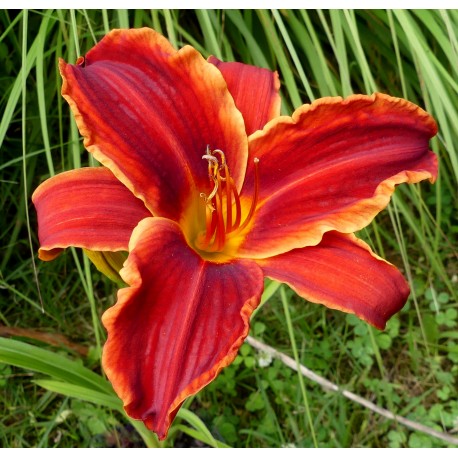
(210, 190)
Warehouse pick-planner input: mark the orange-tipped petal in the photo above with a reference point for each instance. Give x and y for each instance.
(86, 208)
(344, 274)
(333, 166)
(181, 320)
(255, 91)
(148, 112)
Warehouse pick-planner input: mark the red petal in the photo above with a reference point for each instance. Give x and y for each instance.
(148, 112)
(255, 91)
(178, 324)
(86, 208)
(344, 274)
(333, 166)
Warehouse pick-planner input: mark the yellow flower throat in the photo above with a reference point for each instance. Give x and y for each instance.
(223, 208)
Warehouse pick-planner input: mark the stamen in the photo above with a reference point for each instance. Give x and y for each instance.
(238, 208)
(215, 189)
(223, 158)
(220, 237)
(208, 202)
(210, 227)
(228, 200)
(213, 166)
(255, 197)
(220, 218)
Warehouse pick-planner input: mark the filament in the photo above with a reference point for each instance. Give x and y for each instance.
(223, 213)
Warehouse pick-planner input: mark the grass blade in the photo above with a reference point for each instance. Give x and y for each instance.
(37, 359)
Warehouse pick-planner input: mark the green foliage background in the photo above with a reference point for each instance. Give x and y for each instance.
(53, 396)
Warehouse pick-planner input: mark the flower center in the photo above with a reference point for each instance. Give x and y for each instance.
(223, 208)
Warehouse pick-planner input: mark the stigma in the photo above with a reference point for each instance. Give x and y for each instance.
(223, 209)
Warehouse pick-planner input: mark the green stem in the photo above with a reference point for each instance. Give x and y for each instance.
(298, 363)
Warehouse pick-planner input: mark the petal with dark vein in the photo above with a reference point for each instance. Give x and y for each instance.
(85, 208)
(333, 166)
(181, 320)
(344, 274)
(148, 112)
(255, 91)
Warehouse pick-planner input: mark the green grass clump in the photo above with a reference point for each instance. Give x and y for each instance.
(53, 393)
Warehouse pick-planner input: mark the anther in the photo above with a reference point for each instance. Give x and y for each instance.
(223, 158)
(210, 158)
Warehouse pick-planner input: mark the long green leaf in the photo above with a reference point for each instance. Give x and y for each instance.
(83, 393)
(198, 424)
(16, 88)
(37, 359)
(110, 401)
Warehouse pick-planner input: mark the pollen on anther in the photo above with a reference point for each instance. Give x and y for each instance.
(210, 158)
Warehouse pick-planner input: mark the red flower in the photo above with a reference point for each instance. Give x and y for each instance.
(211, 190)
